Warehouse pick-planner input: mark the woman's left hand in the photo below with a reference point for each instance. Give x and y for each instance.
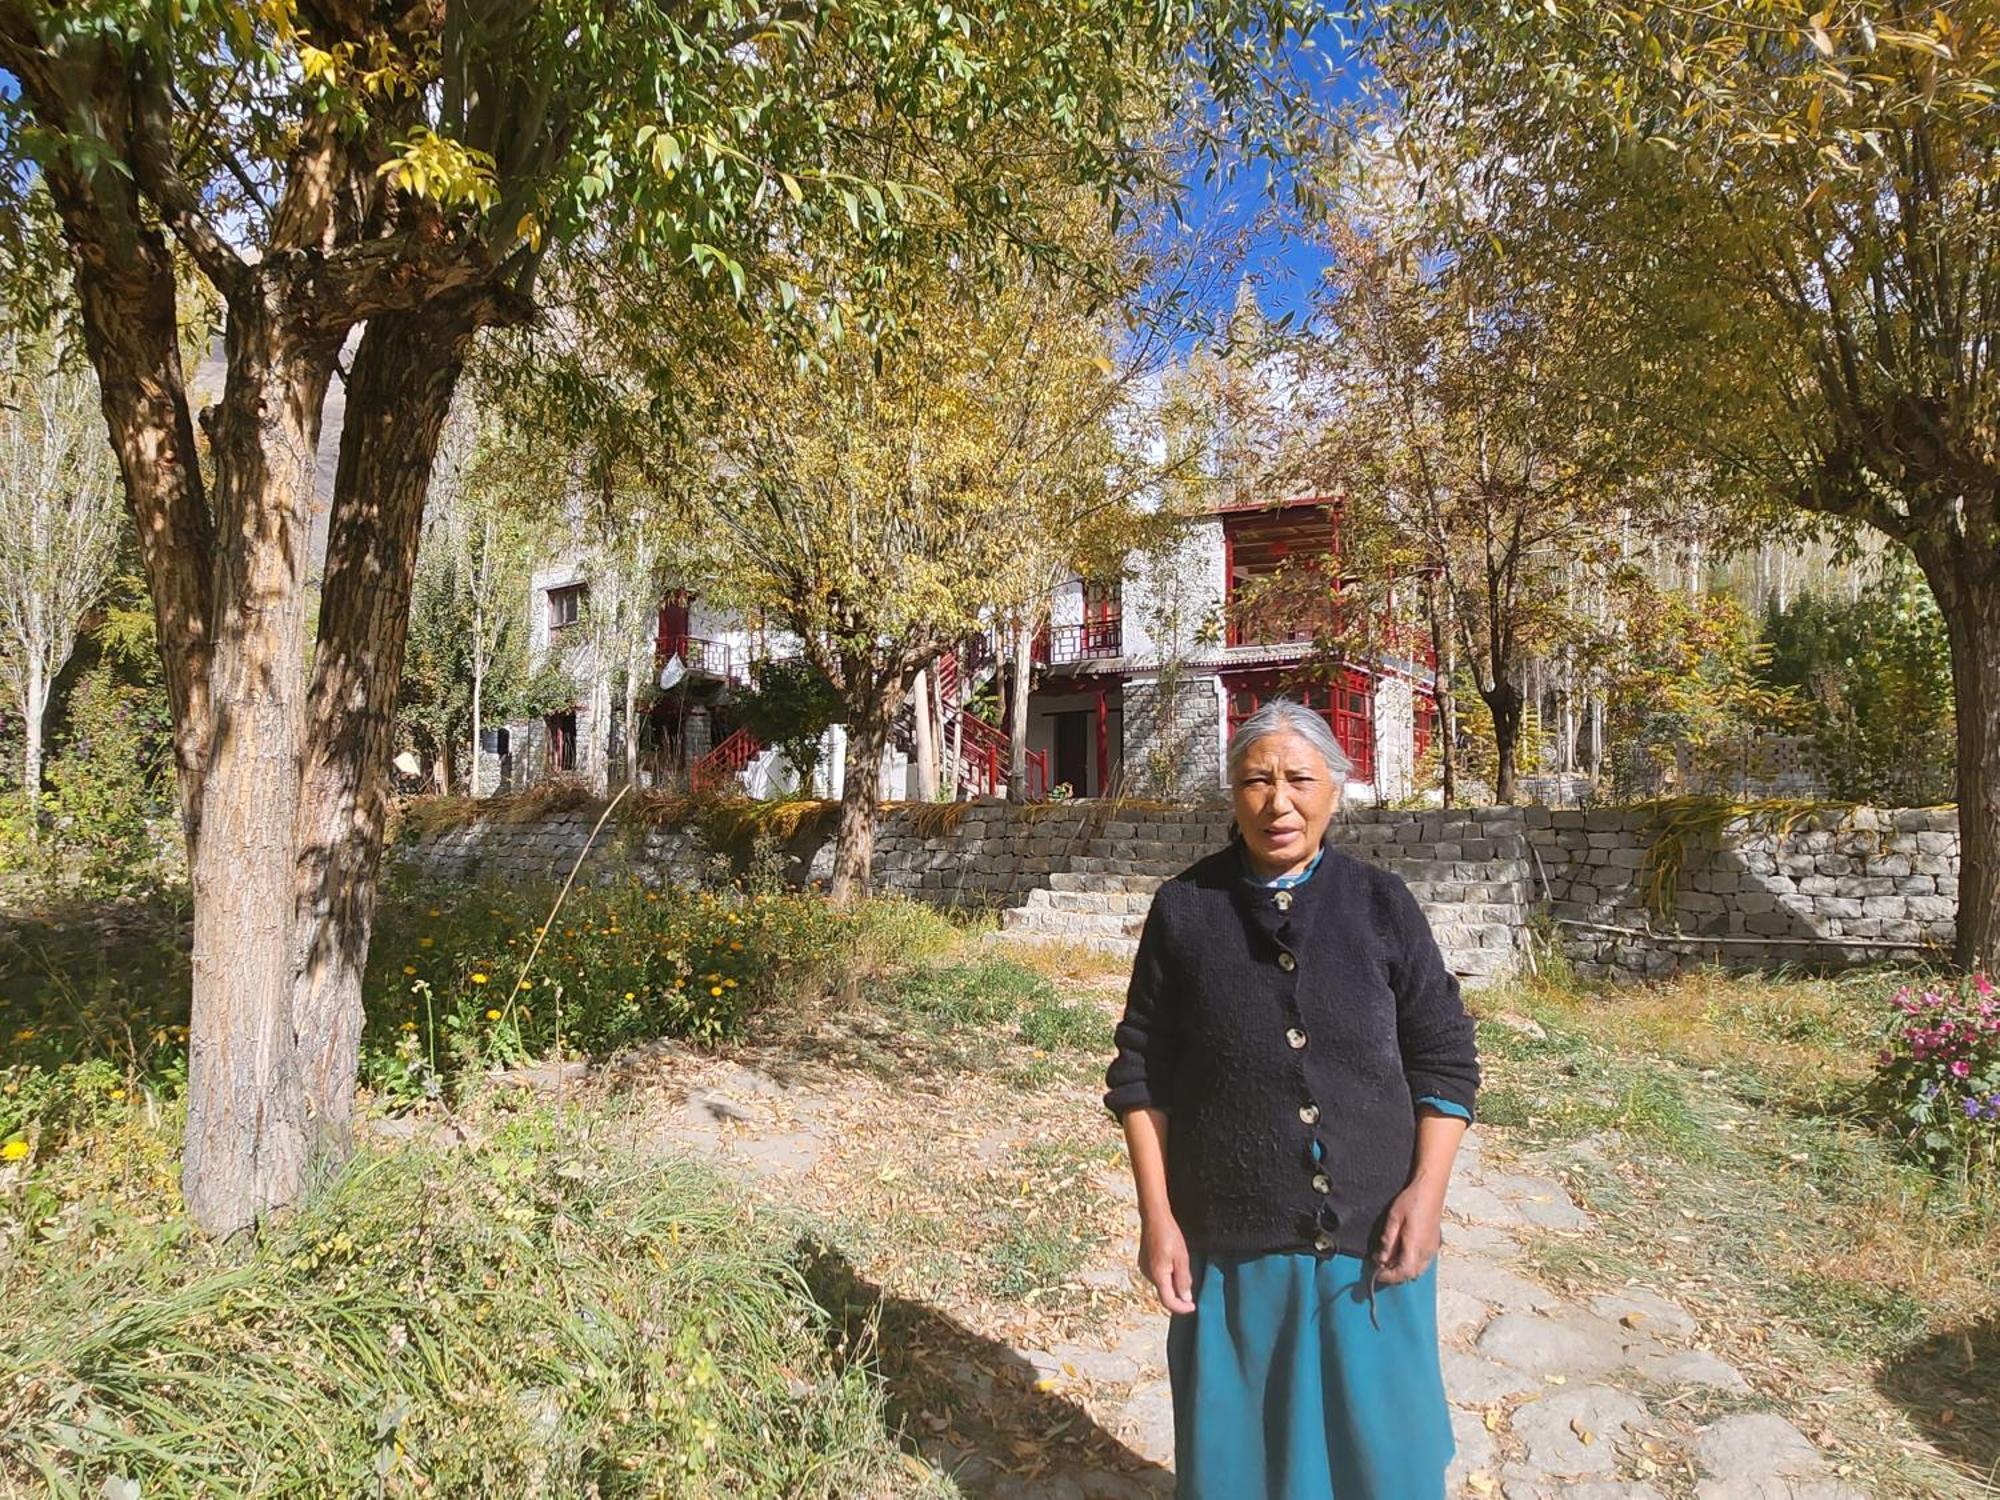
(1411, 1234)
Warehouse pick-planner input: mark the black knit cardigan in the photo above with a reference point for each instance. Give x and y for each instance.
(1287, 1035)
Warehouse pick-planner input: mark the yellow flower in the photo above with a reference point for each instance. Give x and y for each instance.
(409, 968)
(118, 1093)
(630, 996)
(730, 983)
(493, 1015)
(735, 947)
(715, 989)
(25, 1034)
(409, 1026)
(479, 979)
(426, 942)
(434, 911)
(13, 1151)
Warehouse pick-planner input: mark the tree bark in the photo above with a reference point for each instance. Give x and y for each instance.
(1017, 712)
(1503, 699)
(924, 745)
(869, 717)
(632, 669)
(1968, 595)
(34, 710)
(248, 1137)
(399, 394)
(478, 688)
(126, 301)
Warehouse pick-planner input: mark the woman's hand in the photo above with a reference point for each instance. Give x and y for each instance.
(1411, 1233)
(1163, 1259)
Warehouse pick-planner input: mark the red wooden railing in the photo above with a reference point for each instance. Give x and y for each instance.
(982, 768)
(714, 769)
(709, 658)
(1101, 637)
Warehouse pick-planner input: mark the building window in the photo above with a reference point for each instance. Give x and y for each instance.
(1347, 704)
(565, 605)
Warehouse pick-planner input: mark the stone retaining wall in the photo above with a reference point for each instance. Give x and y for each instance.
(1834, 887)
(1826, 889)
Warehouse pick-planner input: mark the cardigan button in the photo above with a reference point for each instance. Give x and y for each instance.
(1309, 1113)
(1283, 900)
(1323, 1243)
(1322, 1183)
(1295, 1039)
(1287, 962)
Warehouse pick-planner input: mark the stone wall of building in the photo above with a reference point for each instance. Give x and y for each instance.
(1173, 736)
(1622, 895)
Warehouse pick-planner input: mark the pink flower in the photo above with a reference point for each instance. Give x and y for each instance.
(1961, 1069)
(1982, 984)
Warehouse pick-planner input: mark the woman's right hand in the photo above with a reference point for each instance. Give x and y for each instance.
(1163, 1260)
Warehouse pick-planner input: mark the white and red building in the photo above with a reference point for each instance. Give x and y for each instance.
(1138, 680)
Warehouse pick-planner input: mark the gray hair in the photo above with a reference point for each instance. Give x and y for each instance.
(1282, 716)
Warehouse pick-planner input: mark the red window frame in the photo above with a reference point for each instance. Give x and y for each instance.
(1347, 704)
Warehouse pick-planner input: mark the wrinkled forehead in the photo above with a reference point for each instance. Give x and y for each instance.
(1283, 749)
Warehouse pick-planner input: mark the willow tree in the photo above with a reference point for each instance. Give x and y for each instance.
(1793, 207)
(325, 165)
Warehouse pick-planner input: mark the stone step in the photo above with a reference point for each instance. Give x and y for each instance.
(1108, 899)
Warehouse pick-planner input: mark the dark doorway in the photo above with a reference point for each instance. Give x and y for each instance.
(1072, 758)
(562, 740)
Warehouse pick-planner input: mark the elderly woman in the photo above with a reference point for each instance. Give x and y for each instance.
(1295, 1071)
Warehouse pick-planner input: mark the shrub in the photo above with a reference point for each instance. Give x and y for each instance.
(1937, 1083)
(622, 964)
(521, 1315)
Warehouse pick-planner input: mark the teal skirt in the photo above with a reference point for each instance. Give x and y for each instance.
(1291, 1383)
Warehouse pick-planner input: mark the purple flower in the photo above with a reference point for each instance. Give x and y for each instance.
(1972, 1107)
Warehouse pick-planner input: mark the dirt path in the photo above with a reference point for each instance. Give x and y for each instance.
(972, 1213)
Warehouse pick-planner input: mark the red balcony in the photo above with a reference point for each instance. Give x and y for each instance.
(702, 658)
(1093, 640)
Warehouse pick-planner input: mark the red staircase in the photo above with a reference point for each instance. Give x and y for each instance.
(715, 769)
(985, 752)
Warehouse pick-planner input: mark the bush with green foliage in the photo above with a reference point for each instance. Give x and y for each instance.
(793, 707)
(108, 826)
(1876, 671)
(1684, 690)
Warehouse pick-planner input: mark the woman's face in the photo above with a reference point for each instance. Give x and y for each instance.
(1285, 795)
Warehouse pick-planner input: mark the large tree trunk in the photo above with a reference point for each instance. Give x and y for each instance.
(1017, 711)
(398, 396)
(126, 299)
(1504, 701)
(248, 1138)
(1968, 595)
(861, 789)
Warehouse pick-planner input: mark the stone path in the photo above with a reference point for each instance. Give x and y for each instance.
(1551, 1397)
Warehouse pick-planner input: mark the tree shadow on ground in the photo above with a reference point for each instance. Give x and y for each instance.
(968, 1403)
(1950, 1385)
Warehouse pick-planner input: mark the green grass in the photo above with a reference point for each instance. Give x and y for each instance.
(525, 1314)
(990, 1013)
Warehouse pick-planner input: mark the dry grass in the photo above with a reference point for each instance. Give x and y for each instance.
(1713, 1126)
